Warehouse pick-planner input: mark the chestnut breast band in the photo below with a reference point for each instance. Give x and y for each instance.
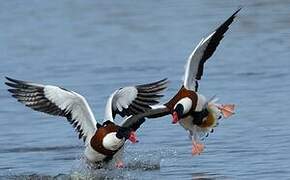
(97, 139)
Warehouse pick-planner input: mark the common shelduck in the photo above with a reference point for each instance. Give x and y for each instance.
(105, 141)
(194, 113)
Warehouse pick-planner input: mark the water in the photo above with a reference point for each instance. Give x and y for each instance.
(95, 47)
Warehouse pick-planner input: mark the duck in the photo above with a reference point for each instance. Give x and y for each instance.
(103, 141)
(188, 107)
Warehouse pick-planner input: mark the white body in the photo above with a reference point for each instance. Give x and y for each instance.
(195, 131)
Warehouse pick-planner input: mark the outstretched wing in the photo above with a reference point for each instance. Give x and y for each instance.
(56, 101)
(203, 51)
(133, 100)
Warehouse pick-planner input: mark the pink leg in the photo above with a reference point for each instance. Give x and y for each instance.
(119, 164)
(133, 137)
(197, 148)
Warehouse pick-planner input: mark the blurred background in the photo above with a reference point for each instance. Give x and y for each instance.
(95, 47)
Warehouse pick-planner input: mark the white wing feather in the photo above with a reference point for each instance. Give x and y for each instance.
(133, 100)
(119, 100)
(73, 102)
(193, 61)
(203, 51)
(56, 101)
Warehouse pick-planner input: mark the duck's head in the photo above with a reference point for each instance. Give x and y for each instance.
(181, 108)
(177, 113)
(127, 133)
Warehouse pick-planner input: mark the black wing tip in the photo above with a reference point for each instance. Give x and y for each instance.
(164, 81)
(233, 16)
(14, 81)
(8, 78)
(11, 90)
(159, 82)
(154, 87)
(11, 79)
(238, 10)
(11, 84)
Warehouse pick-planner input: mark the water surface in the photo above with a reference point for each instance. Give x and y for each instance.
(95, 47)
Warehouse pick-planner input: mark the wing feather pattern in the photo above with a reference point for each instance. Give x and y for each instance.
(203, 51)
(133, 100)
(56, 101)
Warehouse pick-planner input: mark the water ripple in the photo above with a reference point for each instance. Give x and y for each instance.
(38, 149)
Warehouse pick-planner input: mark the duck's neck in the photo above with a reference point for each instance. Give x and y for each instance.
(183, 93)
(186, 104)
